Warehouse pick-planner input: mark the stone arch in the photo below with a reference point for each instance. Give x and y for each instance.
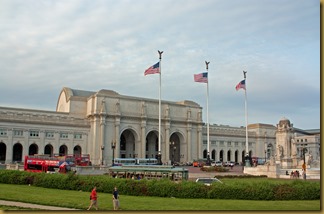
(221, 155)
(236, 156)
(243, 156)
(205, 153)
(250, 153)
(229, 153)
(77, 150)
(127, 141)
(3, 150)
(33, 149)
(48, 150)
(175, 142)
(213, 155)
(270, 150)
(17, 152)
(151, 145)
(63, 150)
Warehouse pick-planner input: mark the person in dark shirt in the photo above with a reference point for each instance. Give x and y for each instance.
(116, 199)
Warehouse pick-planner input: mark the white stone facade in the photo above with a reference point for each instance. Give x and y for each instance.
(88, 122)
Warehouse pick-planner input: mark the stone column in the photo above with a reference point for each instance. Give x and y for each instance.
(117, 138)
(199, 144)
(166, 152)
(141, 149)
(102, 144)
(188, 152)
(9, 150)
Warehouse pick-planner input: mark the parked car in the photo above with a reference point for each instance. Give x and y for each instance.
(217, 163)
(207, 181)
(229, 163)
(195, 163)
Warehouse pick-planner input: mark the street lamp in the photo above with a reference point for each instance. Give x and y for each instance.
(102, 154)
(113, 146)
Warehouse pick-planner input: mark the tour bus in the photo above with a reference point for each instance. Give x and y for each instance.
(43, 163)
(62, 164)
(134, 161)
(138, 172)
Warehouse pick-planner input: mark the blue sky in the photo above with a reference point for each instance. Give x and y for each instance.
(94, 45)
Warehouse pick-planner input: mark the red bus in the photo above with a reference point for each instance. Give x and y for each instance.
(62, 164)
(39, 163)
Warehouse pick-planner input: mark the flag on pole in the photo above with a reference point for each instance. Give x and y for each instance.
(202, 77)
(154, 69)
(240, 85)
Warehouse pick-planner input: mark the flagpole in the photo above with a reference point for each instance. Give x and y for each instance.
(208, 155)
(159, 154)
(247, 158)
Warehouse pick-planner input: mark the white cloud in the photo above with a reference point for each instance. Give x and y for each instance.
(92, 45)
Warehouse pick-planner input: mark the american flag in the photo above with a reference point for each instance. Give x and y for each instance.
(202, 77)
(240, 85)
(154, 69)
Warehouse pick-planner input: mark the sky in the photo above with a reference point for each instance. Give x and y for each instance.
(108, 44)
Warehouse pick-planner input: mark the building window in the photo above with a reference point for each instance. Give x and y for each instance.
(49, 134)
(34, 133)
(306, 140)
(205, 142)
(78, 136)
(229, 143)
(236, 144)
(213, 142)
(3, 132)
(221, 143)
(64, 135)
(18, 133)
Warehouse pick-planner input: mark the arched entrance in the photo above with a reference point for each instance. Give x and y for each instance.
(33, 149)
(205, 153)
(77, 150)
(269, 151)
(213, 155)
(174, 148)
(221, 155)
(243, 156)
(236, 154)
(151, 145)
(127, 144)
(229, 155)
(3, 150)
(48, 150)
(17, 153)
(63, 150)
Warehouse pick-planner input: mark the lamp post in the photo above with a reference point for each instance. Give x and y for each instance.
(102, 154)
(265, 147)
(113, 146)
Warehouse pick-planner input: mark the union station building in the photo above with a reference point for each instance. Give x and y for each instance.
(106, 124)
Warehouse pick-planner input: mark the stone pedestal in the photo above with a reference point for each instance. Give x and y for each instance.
(286, 163)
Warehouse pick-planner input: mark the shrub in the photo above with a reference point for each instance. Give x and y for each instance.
(247, 189)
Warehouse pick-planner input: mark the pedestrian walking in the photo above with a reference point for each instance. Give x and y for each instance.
(93, 199)
(116, 199)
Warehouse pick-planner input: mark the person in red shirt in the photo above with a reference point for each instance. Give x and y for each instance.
(93, 198)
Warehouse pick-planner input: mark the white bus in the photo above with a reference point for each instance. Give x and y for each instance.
(135, 161)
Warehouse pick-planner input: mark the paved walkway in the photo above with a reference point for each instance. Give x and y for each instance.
(33, 206)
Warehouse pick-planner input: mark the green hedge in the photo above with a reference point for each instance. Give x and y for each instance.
(256, 189)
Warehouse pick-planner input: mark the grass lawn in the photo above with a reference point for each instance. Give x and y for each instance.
(80, 200)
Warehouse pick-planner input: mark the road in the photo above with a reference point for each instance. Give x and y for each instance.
(195, 172)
